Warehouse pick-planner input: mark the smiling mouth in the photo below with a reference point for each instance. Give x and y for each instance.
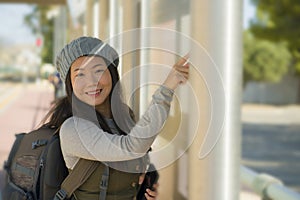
(94, 93)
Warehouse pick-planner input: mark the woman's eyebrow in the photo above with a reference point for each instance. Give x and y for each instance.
(99, 64)
(83, 68)
(78, 69)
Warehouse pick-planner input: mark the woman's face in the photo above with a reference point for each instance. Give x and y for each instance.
(91, 80)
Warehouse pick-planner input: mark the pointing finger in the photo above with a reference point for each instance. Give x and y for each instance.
(183, 60)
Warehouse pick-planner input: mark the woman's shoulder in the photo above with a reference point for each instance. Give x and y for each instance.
(68, 123)
(73, 123)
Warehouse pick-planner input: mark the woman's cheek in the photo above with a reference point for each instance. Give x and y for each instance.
(78, 84)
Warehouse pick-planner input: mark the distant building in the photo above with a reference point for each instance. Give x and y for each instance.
(283, 92)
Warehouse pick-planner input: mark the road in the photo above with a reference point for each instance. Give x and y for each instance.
(273, 149)
(271, 141)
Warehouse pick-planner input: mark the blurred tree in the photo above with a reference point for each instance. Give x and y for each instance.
(279, 20)
(39, 23)
(264, 61)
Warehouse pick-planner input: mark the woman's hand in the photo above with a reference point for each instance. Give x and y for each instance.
(179, 74)
(152, 194)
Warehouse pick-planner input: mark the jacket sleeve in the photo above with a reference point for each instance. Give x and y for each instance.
(81, 138)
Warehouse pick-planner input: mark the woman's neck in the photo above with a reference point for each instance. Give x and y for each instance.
(104, 109)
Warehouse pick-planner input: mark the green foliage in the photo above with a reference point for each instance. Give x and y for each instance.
(279, 21)
(38, 22)
(264, 61)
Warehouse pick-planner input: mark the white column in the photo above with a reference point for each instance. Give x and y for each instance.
(89, 18)
(113, 21)
(96, 19)
(217, 26)
(129, 60)
(145, 22)
(103, 15)
(60, 31)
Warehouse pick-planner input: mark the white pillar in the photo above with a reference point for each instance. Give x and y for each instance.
(145, 22)
(217, 26)
(103, 15)
(113, 21)
(60, 31)
(89, 18)
(130, 59)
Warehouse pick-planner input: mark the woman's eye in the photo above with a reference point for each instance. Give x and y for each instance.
(99, 71)
(79, 75)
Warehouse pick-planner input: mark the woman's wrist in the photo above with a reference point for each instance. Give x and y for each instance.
(167, 90)
(169, 85)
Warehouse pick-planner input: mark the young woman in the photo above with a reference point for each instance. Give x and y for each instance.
(96, 124)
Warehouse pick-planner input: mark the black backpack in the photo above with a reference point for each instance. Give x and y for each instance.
(35, 167)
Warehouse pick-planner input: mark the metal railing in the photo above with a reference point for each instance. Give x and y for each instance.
(267, 186)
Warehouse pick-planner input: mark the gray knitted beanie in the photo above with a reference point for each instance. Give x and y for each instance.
(84, 46)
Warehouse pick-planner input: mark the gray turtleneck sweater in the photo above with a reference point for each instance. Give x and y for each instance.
(81, 138)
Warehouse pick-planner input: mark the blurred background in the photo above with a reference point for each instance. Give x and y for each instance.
(256, 45)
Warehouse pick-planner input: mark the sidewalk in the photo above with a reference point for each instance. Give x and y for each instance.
(22, 112)
(269, 114)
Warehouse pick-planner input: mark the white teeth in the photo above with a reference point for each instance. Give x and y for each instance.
(94, 92)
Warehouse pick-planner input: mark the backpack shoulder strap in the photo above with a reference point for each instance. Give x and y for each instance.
(14, 149)
(81, 172)
(104, 183)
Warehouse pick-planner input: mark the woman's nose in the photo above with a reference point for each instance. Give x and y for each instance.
(94, 79)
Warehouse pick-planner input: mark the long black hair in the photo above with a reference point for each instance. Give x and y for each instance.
(70, 105)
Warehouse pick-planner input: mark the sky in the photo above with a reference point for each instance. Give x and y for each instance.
(249, 13)
(14, 31)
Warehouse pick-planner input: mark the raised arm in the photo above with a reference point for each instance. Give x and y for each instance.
(83, 139)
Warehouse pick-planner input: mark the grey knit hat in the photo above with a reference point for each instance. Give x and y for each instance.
(84, 46)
